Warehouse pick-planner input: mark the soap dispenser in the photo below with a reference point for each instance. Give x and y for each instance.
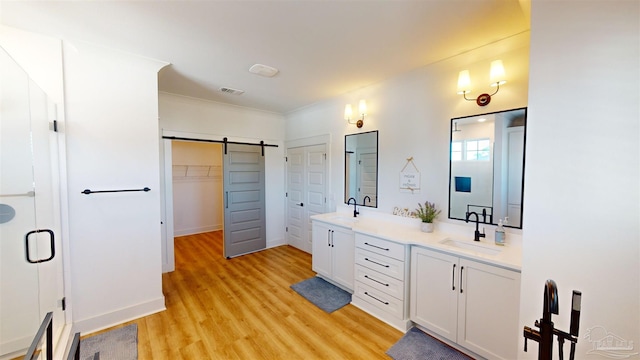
(500, 234)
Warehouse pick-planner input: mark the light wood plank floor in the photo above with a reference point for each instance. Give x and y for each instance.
(243, 308)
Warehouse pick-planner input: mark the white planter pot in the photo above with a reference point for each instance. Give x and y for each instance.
(426, 227)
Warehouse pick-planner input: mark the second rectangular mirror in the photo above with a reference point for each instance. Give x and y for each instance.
(361, 168)
(487, 166)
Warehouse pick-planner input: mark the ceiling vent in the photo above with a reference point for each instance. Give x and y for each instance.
(263, 70)
(231, 91)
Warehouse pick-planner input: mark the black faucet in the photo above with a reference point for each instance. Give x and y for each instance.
(364, 201)
(544, 336)
(355, 209)
(477, 235)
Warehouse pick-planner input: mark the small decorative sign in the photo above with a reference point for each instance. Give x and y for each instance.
(410, 178)
(402, 212)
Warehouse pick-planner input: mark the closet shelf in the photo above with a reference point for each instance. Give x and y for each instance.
(196, 171)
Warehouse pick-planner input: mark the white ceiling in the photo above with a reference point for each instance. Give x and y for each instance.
(322, 48)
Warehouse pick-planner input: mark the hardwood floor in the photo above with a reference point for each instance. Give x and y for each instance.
(243, 308)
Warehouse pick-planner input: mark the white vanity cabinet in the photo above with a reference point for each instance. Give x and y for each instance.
(381, 279)
(333, 253)
(473, 304)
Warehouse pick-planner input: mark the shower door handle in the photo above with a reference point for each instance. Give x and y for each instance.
(51, 242)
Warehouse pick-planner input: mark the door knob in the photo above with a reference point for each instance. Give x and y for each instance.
(301, 204)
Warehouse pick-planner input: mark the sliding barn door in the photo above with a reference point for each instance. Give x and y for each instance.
(244, 202)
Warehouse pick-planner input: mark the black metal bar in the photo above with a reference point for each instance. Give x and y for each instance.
(50, 340)
(51, 242)
(74, 350)
(453, 278)
(377, 263)
(262, 146)
(45, 327)
(223, 141)
(87, 191)
(371, 296)
(377, 247)
(379, 282)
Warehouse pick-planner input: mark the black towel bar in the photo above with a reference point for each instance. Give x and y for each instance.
(87, 191)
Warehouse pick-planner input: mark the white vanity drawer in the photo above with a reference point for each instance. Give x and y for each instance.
(382, 264)
(381, 246)
(380, 300)
(380, 282)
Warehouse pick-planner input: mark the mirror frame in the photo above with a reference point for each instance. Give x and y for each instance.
(345, 198)
(494, 219)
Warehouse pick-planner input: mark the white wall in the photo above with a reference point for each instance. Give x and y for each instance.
(413, 114)
(183, 116)
(112, 143)
(581, 215)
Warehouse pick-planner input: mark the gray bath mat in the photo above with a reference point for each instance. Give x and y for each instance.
(322, 294)
(416, 345)
(117, 344)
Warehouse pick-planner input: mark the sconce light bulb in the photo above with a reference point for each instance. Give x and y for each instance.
(464, 82)
(362, 107)
(348, 112)
(496, 74)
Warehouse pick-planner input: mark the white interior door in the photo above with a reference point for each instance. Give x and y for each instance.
(244, 210)
(30, 248)
(514, 177)
(306, 192)
(368, 177)
(296, 222)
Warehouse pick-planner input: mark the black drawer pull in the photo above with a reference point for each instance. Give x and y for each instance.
(377, 263)
(379, 282)
(377, 247)
(369, 295)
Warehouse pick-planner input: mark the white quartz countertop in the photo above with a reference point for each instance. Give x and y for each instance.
(508, 256)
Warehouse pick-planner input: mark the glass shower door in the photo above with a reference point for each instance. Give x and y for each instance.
(30, 256)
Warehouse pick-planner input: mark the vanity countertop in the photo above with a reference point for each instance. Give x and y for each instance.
(508, 256)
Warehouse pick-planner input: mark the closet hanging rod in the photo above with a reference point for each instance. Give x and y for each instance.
(87, 191)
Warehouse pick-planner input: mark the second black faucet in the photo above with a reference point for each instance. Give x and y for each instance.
(355, 209)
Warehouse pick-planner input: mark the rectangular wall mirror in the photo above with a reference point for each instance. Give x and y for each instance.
(361, 168)
(486, 167)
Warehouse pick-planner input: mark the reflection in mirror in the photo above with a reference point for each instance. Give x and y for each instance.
(361, 168)
(486, 172)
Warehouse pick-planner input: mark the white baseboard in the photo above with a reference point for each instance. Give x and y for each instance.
(104, 321)
(276, 242)
(198, 230)
(61, 349)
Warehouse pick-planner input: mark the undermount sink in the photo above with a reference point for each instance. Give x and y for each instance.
(344, 219)
(468, 245)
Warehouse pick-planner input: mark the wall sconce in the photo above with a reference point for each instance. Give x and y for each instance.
(496, 76)
(362, 110)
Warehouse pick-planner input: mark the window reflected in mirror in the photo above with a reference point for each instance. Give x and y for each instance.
(486, 172)
(361, 168)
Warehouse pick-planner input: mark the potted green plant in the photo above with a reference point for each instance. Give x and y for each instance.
(427, 213)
